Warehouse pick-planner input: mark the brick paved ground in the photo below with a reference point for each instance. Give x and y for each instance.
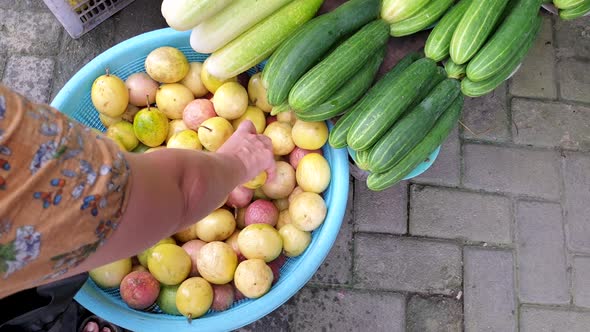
(495, 237)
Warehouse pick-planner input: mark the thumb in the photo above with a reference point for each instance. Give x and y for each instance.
(246, 127)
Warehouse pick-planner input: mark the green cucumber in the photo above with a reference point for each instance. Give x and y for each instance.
(575, 12)
(413, 127)
(398, 10)
(302, 50)
(260, 41)
(348, 94)
(454, 70)
(505, 42)
(434, 80)
(439, 40)
(337, 137)
(422, 20)
(567, 4)
(476, 89)
(284, 107)
(435, 137)
(362, 159)
(384, 104)
(474, 28)
(325, 78)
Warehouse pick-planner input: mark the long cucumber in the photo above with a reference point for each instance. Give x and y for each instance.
(306, 46)
(413, 127)
(261, 40)
(506, 42)
(474, 28)
(476, 89)
(439, 40)
(337, 137)
(348, 94)
(437, 135)
(423, 19)
(223, 27)
(388, 103)
(325, 78)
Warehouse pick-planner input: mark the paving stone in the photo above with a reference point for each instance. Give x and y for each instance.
(581, 281)
(29, 32)
(573, 37)
(489, 299)
(547, 124)
(487, 117)
(75, 53)
(30, 76)
(348, 310)
(535, 319)
(434, 314)
(337, 268)
(536, 76)
(577, 196)
(38, 5)
(278, 320)
(518, 171)
(7, 4)
(406, 264)
(446, 168)
(574, 79)
(137, 18)
(541, 253)
(453, 214)
(382, 212)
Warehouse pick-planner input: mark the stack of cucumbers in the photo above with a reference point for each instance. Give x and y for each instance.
(401, 120)
(484, 41)
(329, 63)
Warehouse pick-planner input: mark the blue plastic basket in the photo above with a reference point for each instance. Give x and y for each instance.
(74, 100)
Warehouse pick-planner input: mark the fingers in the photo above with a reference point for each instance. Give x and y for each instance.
(266, 141)
(246, 127)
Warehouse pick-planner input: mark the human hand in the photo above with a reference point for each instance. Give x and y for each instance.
(253, 150)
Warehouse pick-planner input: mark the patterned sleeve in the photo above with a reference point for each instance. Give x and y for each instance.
(63, 188)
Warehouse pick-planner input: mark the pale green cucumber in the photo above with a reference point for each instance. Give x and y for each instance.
(261, 40)
(183, 15)
(223, 27)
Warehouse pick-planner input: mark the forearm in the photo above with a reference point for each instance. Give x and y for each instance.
(170, 190)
